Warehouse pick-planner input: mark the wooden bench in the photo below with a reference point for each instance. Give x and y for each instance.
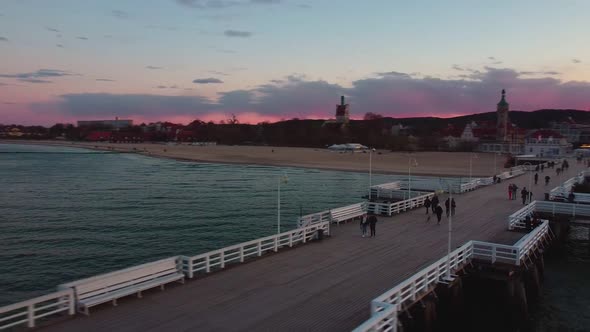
(114, 285)
(348, 212)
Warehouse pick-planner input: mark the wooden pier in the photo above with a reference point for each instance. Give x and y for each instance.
(324, 285)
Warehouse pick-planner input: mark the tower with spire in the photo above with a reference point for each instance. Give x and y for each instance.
(502, 112)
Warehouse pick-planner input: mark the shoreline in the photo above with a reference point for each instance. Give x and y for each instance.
(452, 164)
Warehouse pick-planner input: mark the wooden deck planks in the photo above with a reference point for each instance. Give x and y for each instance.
(322, 286)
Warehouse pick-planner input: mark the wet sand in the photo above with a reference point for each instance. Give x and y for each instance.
(383, 161)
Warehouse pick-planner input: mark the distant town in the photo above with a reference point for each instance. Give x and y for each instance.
(543, 133)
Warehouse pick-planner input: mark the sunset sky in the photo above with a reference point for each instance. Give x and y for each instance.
(178, 60)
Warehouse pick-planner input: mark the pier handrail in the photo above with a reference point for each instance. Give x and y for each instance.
(571, 209)
(238, 253)
(397, 207)
(516, 220)
(29, 312)
(528, 243)
(494, 252)
(411, 288)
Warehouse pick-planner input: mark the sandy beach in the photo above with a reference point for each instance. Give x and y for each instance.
(385, 162)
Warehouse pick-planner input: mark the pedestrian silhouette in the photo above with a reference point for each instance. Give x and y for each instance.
(439, 212)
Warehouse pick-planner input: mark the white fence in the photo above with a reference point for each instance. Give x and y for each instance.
(219, 259)
(563, 208)
(385, 308)
(31, 311)
(390, 209)
(516, 220)
(314, 218)
(385, 190)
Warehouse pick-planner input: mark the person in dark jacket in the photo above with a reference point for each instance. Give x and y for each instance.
(536, 178)
(434, 203)
(427, 204)
(524, 194)
(453, 206)
(372, 223)
(364, 224)
(447, 206)
(439, 212)
(547, 179)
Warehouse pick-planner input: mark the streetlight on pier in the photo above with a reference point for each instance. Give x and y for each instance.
(471, 156)
(370, 171)
(530, 176)
(282, 179)
(411, 162)
(496, 154)
(450, 231)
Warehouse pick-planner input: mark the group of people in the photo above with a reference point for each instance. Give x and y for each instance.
(434, 205)
(370, 222)
(525, 195)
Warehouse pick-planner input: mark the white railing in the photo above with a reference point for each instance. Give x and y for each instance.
(423, 281)
(397, 207)
(516, 220)
(219, 259)
(30, 311)
(385, 320)
(314, 218)
(385, 308)
(485, 181)
(385, 190)
(562, 191)
(494, 252)
(570, 209)
(469, 186)
(530, 243)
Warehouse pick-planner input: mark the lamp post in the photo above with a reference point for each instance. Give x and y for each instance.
(450, 231)
(530, 176)
(370, 171)
(282, 179)
(496, 163)
(471, 156)
(410, 164)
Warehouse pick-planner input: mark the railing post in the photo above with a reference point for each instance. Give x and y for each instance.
(493, 254)
(71, 303)
(304, 234)
(242, 254)
(277, 243)
(31, 315)
(190, 268)
(260, 248)
(574, 204)
(290, 239)
(222, 259)
(208, 263)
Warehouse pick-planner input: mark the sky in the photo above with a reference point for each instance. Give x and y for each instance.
(267, 60)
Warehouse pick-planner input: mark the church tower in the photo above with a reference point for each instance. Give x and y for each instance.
(342, 111)
(502, 112)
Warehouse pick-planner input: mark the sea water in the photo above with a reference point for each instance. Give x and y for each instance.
(68, 213)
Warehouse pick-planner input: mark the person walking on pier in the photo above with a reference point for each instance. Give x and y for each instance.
(514, 191)
(439, 212)
(536, 178)
(427, 204)
(547, 178)
(434, 203)
(447, 206)
(364, 224)
(372, 224)
(524, 194)
(453, 206)
(510, 191)
(530, 196)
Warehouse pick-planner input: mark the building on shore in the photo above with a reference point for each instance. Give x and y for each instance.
(505, 137)
(342, 115)
(106, 124)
